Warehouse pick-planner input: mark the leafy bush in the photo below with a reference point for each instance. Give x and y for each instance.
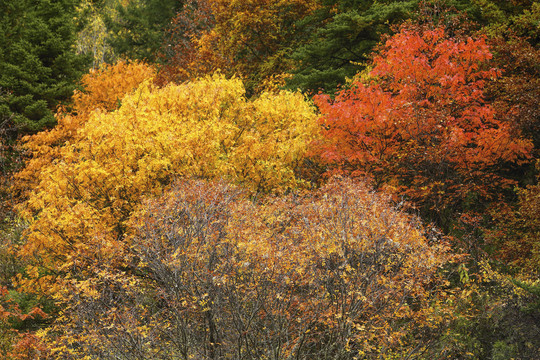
(335, 274)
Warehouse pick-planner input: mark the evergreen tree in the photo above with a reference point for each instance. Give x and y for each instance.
(138, 28)
(343, 34)
(38, 64)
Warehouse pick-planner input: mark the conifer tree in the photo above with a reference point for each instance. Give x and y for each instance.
(343, 34)
(138, 28)
(38, 65)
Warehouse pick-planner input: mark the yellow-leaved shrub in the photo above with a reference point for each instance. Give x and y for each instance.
(103, 91)
(204, 129)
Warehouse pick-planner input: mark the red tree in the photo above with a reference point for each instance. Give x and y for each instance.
(418, 123)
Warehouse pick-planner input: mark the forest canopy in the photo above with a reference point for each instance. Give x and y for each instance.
(210, 179)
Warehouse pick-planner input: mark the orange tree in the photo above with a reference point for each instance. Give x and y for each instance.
(418, 124)
(211, 274)
(252, 39)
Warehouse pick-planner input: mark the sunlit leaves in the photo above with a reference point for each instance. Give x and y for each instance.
(102, 91)
(205, 129)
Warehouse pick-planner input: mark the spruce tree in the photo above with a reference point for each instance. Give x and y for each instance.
(343, 33)
(38, 64)
(138, 27)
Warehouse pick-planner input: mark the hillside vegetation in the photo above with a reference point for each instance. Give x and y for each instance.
(263, 179)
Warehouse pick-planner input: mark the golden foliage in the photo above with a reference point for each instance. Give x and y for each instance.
(250, 39)
(103, 91)
(206, 129)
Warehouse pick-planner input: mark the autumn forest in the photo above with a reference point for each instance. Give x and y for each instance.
(270, 179)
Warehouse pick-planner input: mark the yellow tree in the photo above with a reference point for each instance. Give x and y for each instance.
(86, 192)
(103, 91)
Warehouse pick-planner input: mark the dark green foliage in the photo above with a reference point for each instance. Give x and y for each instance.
(518, 16)
(493, 17)
(38, 66)
(138, 29)
(509, 330)
(343, 34)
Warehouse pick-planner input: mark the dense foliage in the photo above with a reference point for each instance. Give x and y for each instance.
(38, 66)
(103, 92)
(419, 123)
(386, 206)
